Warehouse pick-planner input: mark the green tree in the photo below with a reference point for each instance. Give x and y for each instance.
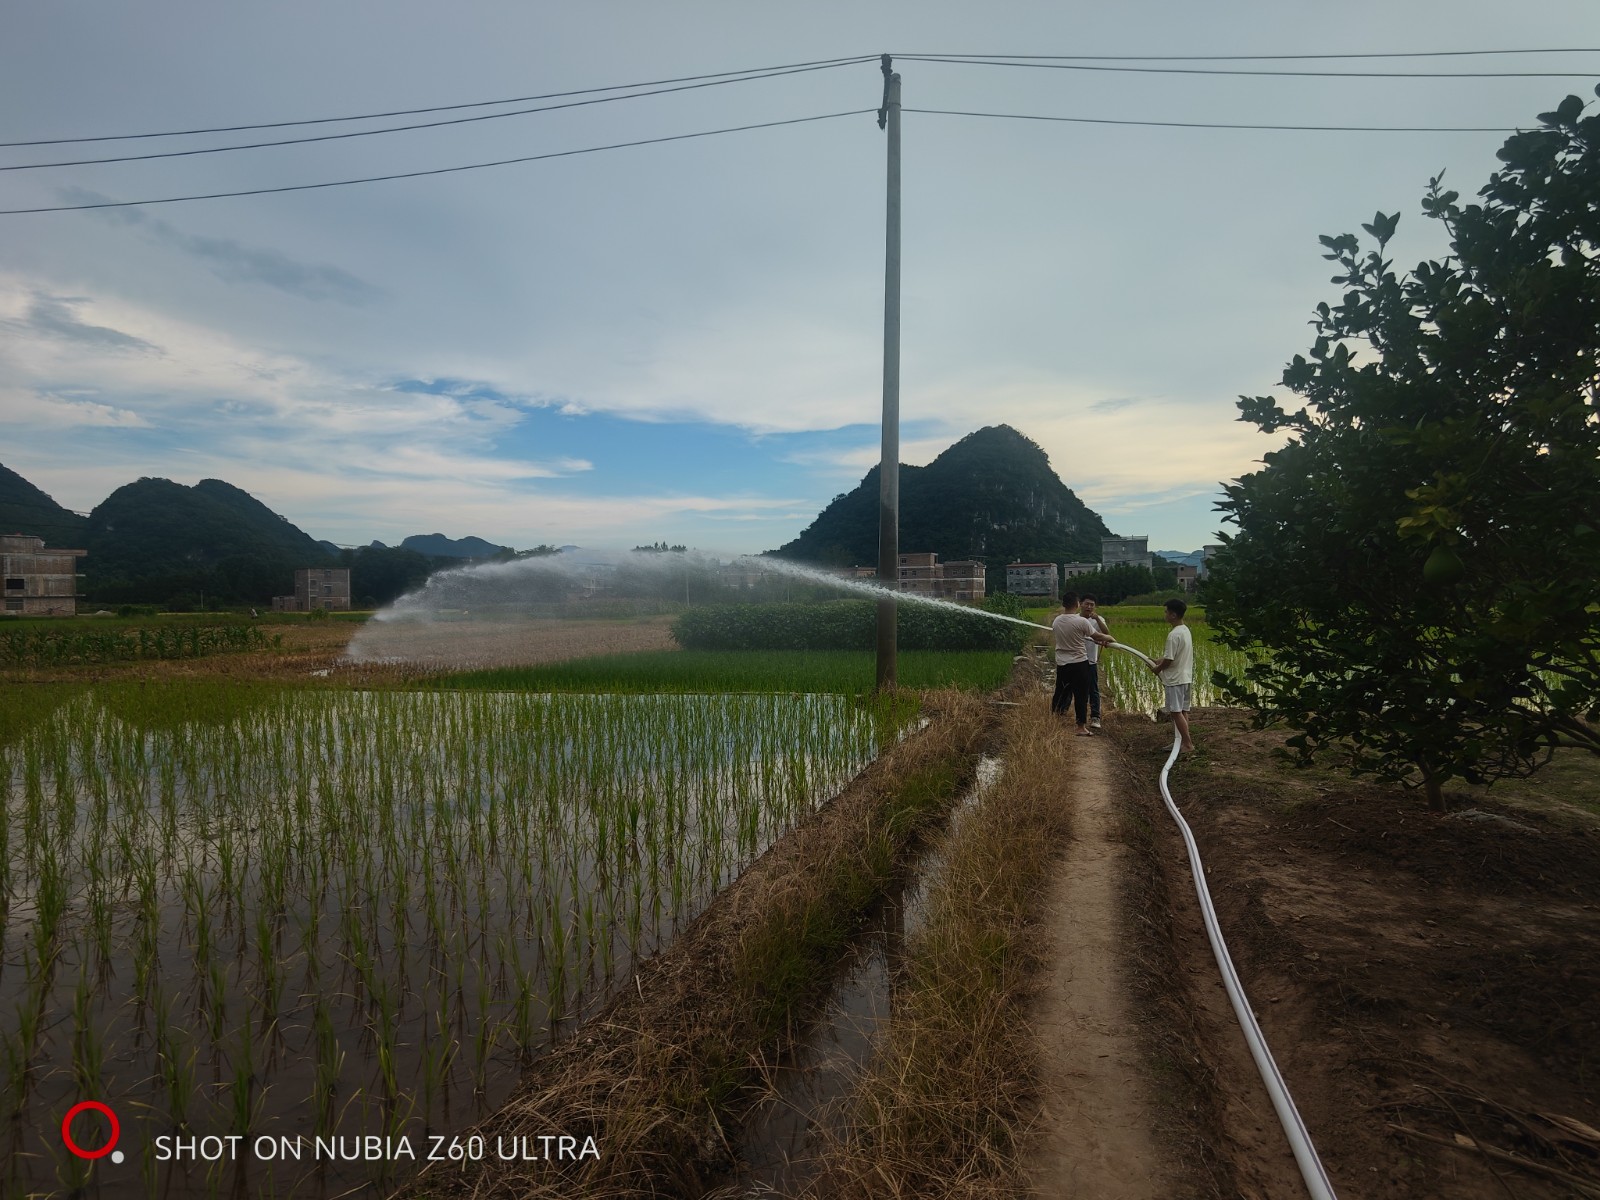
(1420, 559)
(1114, 584)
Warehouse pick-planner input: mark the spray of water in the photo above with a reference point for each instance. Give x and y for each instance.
(545, 608)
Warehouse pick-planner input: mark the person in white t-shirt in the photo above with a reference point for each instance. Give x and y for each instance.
(1176, 668)
(1074, 634)
(1087, 609)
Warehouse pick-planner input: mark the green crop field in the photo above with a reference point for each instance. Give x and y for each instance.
(851, 672)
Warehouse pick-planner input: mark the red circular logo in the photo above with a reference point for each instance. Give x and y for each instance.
(90, 1106)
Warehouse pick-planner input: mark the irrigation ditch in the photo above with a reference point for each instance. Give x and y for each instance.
(661, 1077)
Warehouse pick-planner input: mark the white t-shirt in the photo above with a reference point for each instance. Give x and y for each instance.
(1093, 648)
(1180, 649)
(1072, 638)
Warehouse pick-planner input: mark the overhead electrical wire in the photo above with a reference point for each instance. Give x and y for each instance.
(685, 83)
(360, 133)
(817, 64)
(1264, 57)
(950, 112)
(502, 162)
(1084, 66)
(1016, 59)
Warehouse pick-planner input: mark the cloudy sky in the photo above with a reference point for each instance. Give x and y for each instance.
(683, 340)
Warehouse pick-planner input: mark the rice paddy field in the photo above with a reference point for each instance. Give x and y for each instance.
(272, 911)
(851, 672)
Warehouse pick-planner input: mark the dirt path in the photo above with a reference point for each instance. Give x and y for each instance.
(1096, 1131)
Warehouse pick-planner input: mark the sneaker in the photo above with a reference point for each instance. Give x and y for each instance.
(1094, 722)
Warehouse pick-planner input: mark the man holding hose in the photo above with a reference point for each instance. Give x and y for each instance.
(1176, 668)
(1074, 634)
(1086, 609)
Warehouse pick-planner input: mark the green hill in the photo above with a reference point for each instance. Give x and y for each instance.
(436, 545)
(992, 495)
(155, 538)
(25, 509)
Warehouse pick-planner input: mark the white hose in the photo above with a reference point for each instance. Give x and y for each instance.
(1305, 1154)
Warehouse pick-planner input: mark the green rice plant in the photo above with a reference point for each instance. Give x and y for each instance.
(329, 1063)
(241, 1088)
(88, 1051)
(438, 1054)
(515, 853)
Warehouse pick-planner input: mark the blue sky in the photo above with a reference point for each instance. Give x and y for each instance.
(682, 341)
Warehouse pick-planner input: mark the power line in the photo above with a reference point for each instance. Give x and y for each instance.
(358, 133)
(306, 187)
(816, 63)
(947, 112)
(1261, 57)
(412, 112)
(1070, 66)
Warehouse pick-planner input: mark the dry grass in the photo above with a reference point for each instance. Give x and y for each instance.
(654, 1078)
(942, 1109)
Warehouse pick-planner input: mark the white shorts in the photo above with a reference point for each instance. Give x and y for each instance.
(1178, 697)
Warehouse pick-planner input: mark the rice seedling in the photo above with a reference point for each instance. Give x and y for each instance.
(456, 870)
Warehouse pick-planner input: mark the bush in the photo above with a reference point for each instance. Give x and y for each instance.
(840, 625)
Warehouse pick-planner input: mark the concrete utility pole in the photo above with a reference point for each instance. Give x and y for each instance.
(889, 463)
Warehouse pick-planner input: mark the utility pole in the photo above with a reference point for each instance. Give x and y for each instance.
(889, 462)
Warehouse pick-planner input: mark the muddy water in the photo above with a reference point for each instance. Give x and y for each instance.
(807, 1088)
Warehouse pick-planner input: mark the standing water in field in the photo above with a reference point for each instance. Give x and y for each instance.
(288, 914)
(578, 602)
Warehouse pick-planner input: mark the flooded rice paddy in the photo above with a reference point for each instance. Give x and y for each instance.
(290, 914)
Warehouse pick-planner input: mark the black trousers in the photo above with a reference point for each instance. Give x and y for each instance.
(1073, 681)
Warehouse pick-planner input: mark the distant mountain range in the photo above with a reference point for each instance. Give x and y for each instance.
(992, 495)
(436, 545)
(154, 540)
(1188, 558)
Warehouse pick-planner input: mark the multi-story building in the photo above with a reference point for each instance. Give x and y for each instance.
(39, 582)
(1073, 569)
(1032, 579)
(962, 579)
(1126, 552)
(317, 587)
(925, 575)
(1187, 575)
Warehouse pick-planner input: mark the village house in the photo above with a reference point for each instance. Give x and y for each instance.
(317, 587)
(39, 581)
(1032, 579)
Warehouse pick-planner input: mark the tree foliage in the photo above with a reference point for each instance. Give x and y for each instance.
(1114, 584)
(1421, 558)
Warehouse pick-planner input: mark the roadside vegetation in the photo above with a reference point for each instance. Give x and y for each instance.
(946, 1100)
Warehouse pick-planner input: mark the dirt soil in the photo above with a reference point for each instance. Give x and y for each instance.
(1429, 984)
(311, 650)
(1096, 1134)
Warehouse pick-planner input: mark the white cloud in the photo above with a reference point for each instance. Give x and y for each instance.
(36, 411)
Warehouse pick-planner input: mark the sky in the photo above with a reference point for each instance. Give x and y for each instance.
(684, 340)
